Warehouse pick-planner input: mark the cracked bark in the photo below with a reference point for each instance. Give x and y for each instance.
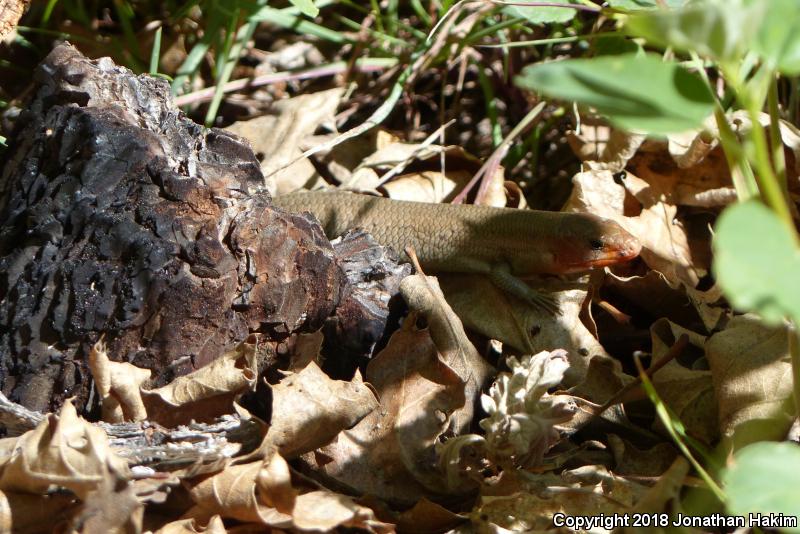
(121, 217)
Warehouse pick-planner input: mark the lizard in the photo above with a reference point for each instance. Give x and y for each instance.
(505, 244)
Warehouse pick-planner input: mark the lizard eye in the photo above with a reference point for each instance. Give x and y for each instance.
(596, 244)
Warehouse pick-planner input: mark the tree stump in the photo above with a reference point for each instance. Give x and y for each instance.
(121, 217)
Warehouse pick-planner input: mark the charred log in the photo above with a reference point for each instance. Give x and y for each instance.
(121, 217)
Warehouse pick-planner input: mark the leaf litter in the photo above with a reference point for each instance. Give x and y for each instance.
(478, 412)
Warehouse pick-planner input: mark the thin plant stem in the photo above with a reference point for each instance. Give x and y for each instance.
(768, 185)
(500, 151)
(671, 423)
(778, 157)
(744, 181)
(576, 7)
(361, 65)
(551, 40)
(155, 54)
(794, 351)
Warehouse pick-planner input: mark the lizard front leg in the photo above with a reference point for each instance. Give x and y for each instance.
(502, 277)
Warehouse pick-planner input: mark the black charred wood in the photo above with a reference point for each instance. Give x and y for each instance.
(121, 217)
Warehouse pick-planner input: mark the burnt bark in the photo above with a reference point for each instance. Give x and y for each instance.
(121, 217)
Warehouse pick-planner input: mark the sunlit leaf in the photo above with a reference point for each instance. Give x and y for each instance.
(778, 39)
(757, 262)
(763, 480)
(636, 92)
(542, 15)
(714, 28)
(306, 7)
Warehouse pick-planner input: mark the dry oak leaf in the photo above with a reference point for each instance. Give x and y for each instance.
(191, 526)
(629, 460)
(10, 13)
(65, 451)
(111, 507)
(239, 493)
(656, 295)
(707, 183)
(206, 393)
(427, 517)
(424, 296)
(391, 453)
(25, 513)
(234, 493)
(603, 147)
(280, 135)
(119, 386)
(427, 186)
(685, 387)
(752, 373)
(525, 512)
(309, 409)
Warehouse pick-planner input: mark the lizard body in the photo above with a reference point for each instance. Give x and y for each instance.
(503, 243)
(467, 238)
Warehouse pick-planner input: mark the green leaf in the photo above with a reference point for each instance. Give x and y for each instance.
(306, 7)
(763, 479)
(778, 38)
(542, 15)
(614, 45)
(636, 92)
(720, 29)
(757, 262)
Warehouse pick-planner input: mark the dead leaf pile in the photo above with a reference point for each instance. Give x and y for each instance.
(478, 412)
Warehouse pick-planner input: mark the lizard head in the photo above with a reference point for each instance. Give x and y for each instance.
(592, 241)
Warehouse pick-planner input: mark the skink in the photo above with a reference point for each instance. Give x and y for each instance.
(503, 243)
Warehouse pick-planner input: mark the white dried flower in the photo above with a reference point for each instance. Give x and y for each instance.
(520, 427)
(522, 416)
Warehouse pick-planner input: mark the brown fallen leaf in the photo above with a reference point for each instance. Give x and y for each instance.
(391, 452)
(685, 386)
(309, 409)
(238, 493)
(111, 507)
(233, 493)
(274, 482)
(26, 513)
(666, 489)
(689, 148)
(424, 296)
(206, 393)
(633, 461)
(427, 517)
(191, 526)
(10, 13)
(486, 309)
(323, 511)
(427, 186)
(659, 297)
(604, 379)
(705, 183)
(279, 136)
(65, 451)
(119, 386)
(752, 374)
(603, 147)
(533, 508)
